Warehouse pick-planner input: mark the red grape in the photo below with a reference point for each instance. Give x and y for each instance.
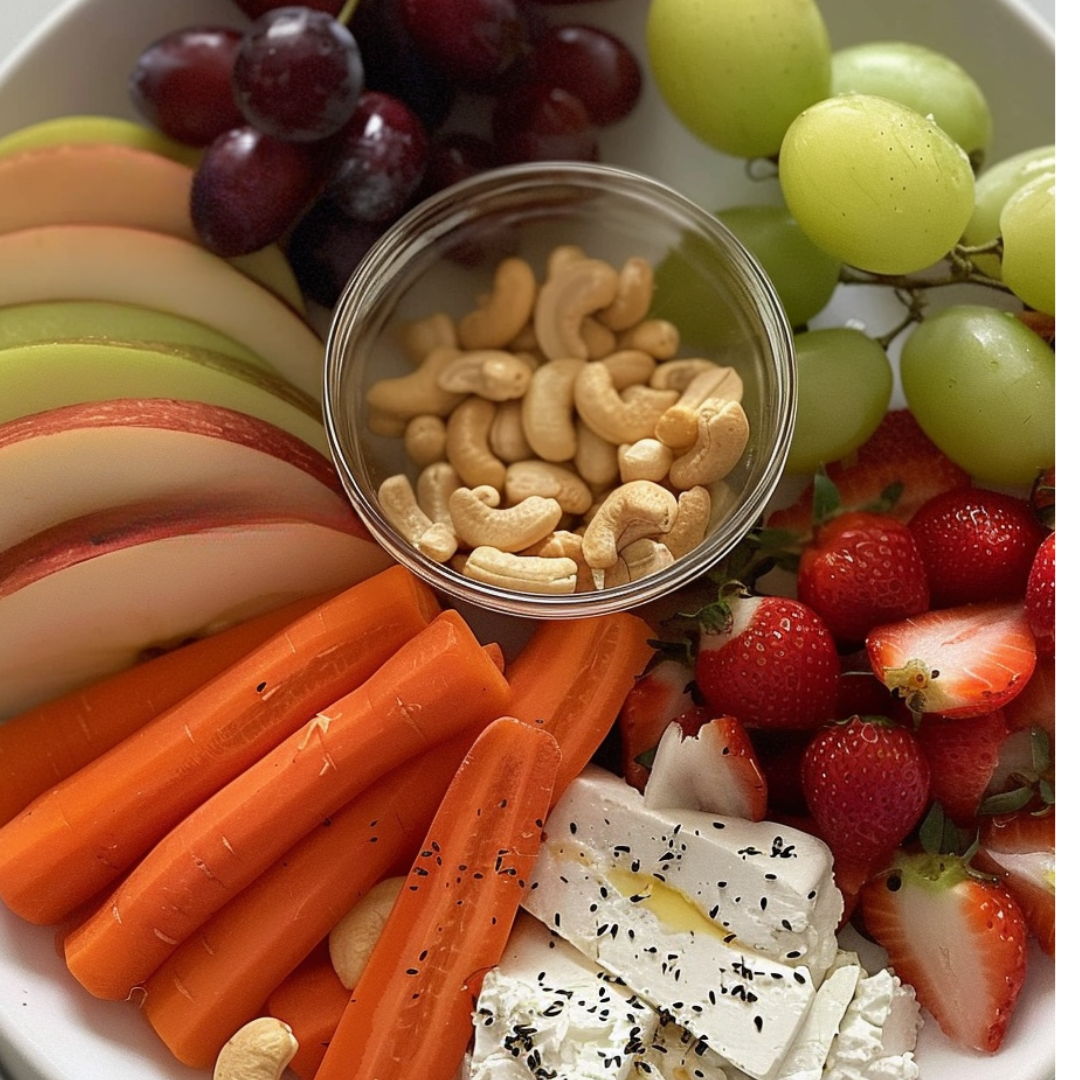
(533, 122)
(457, 156)
(254, 8)
(182, 83)
(298, 74)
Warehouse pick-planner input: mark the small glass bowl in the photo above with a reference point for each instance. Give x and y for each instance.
(441, 257)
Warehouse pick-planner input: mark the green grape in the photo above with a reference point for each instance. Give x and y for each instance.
(804, 276)
(737, 72)
(845, 382)
(875, 184)
(927, 81)
(992, 191)
(981, 385)
(1027, 235)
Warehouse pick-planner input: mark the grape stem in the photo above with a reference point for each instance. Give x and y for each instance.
(348, 10)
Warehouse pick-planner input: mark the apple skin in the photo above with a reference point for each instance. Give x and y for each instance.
(136, 266)
(34, 378)
(89, 128)
(90, 596)
(77, 459)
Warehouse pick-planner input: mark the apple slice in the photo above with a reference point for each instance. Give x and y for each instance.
(73, 460)
(136, 266)
(89, 128)
(109, 184)
(34, 378)
(90, 595)
(88, 320)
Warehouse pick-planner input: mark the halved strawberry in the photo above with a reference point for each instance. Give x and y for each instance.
(657, 697)
(958, 938)
(1039, 596)
(897, 455)
(962, 661)
(1020, 849)
(708, 766)
(963, 754)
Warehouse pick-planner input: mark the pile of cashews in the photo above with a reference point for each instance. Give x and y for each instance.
(558, 442)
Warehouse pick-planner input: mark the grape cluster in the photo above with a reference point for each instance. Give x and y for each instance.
(322, 122)
(878, 152)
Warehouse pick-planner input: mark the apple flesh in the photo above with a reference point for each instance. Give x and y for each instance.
(91, 595)
(95, 320)
(34, 378)
(78, 459)
(136, 266)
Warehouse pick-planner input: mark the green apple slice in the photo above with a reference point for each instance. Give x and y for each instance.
(34, 378)
(97, 320)
(77, 459)
(88, 128)
(114, 184)
(89, 596)
(136, 266)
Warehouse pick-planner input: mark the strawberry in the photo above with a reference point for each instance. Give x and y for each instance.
(963, 755)
(862, 569)
(898, 455)
(708, 766)
(866, 784)
(1020, 849)
(1035, 705)
(768, 660)
(962, 661)
(657, 697)
(957, 937)
(1039, 596)
(976, 545)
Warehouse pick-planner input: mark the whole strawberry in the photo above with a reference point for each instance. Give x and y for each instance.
(960, 939)
(867, 784)
(769, 661)
(862, 569)
(976, 545)
(1039, 596)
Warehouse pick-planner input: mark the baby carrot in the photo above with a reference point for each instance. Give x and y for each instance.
(83, 834)
(436, 685)
(572, 677)
(218, 978)
(48, 743)
(411, 1012)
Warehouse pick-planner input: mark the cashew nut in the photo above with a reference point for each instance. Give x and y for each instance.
(418, 392)
(432, 332)
(633, 510)
(645, 556)
(722, 434)
(691, 521)
(507, 435)
(657, 337)
(533, 477)
(490, 373)
(630, 367)
(260, 1050)
(678, 374)
(713, 382)
(634, 295)
(425, 439)
(562, 256)
(645, 459)
(434, 486)
(398, 502)
(547, 412)
(353, 937)
(503, 313)
(618, 417)
(522, 573)
(599, 340)
(479, 523)
(580, 288)
(467, 446)
(564, 544)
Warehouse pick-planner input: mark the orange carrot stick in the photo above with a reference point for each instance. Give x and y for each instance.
(411, 1012)
(435, 686)
(572, 677)
(311, 1001)
(48, 743)
(218, 978)
(79, 837)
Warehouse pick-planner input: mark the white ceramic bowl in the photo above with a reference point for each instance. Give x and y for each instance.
(52, 1030)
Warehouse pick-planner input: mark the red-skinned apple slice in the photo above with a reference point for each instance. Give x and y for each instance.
(136, 266)
(88, 596)
(110, 184)
(71, 461)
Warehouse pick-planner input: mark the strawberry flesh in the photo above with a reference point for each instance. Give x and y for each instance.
(657, 697)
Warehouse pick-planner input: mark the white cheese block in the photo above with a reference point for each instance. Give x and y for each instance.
(546, 1011)
(720, 923)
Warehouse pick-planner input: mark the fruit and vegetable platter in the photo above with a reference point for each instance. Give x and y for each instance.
(272, 806)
